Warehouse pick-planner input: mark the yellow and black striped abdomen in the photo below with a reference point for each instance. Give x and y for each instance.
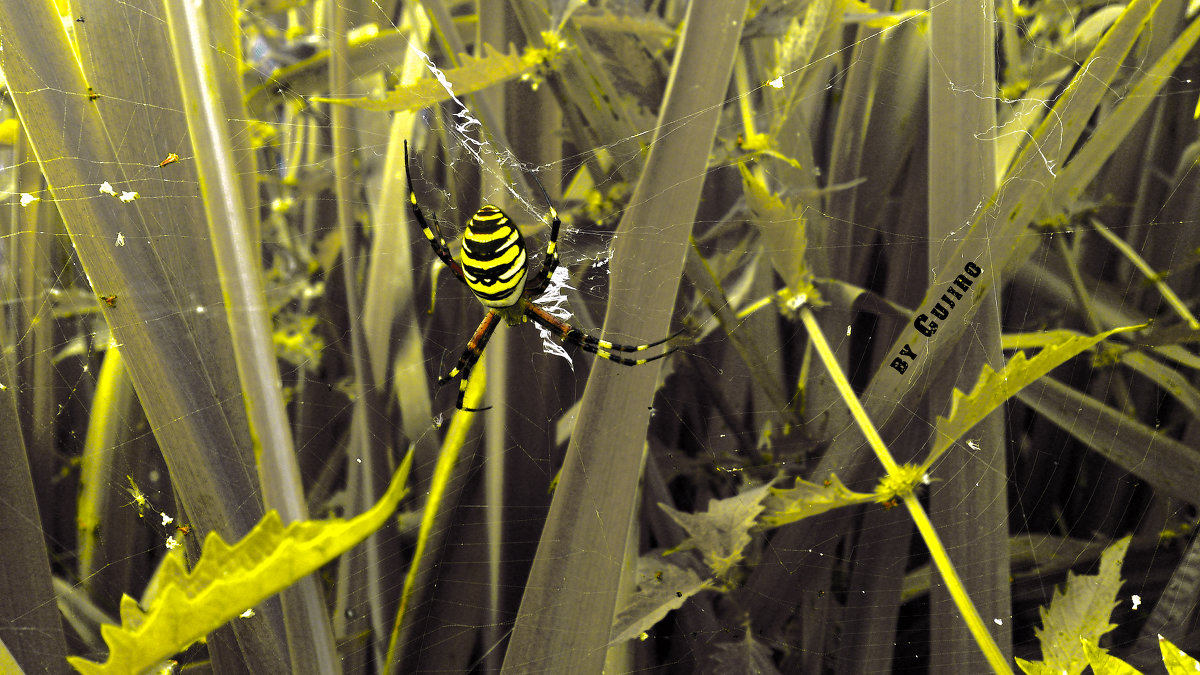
(493, 258)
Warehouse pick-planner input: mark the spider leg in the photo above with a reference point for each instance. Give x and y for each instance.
(434, 233)
(542, 279)
(470, 357)
(602, 348)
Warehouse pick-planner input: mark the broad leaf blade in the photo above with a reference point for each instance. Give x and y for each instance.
(722, 532)
(229, 579)
(1081, 612)
(662, 586)
(1103, 663)
(993, 388)
(1176, 661)
(805, 500)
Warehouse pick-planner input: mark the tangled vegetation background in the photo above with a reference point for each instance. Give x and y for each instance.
(222, 323)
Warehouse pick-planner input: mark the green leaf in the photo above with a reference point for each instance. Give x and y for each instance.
(798, 49)
(228, 580)
(782, 227)
(721, 532)
(1103, 663)
(1080, 614)
(806, 500)
(743, 656)
(662, 586)
(1176, 661)
(369, 49)
(993, 388)
(474, 75)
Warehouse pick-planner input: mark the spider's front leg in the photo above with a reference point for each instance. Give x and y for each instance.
(542, 280)
(433, 233)
(470, 357)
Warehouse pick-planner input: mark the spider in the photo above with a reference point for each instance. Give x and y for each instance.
(496, 269)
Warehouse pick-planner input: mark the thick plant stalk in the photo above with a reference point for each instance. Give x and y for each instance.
(570, 599)
(309, 639)
(994, 657)
(161, 309)
(969, 504)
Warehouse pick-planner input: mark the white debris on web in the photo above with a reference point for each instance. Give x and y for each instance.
(464, 120)
(603, 259)
(27, 199)
(553, 300)
(467, 120)
(126, 196)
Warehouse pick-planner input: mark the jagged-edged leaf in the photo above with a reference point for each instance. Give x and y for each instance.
(721, 532)
(805, 500)
(782, 228)
(1176, 661)
(661, 587)
(370, 48)
(993, 388)
(475, 74)
(229, 580)
(1103, 663)
(1081, 612)
(747, 655)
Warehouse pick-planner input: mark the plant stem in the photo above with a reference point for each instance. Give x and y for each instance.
(940, 558)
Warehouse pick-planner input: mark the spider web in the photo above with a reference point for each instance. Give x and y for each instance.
(738, 406)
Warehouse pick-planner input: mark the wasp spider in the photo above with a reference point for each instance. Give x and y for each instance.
(494, 265)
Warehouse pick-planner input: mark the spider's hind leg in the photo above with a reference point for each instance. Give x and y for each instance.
(602, 348)
(466, 362)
